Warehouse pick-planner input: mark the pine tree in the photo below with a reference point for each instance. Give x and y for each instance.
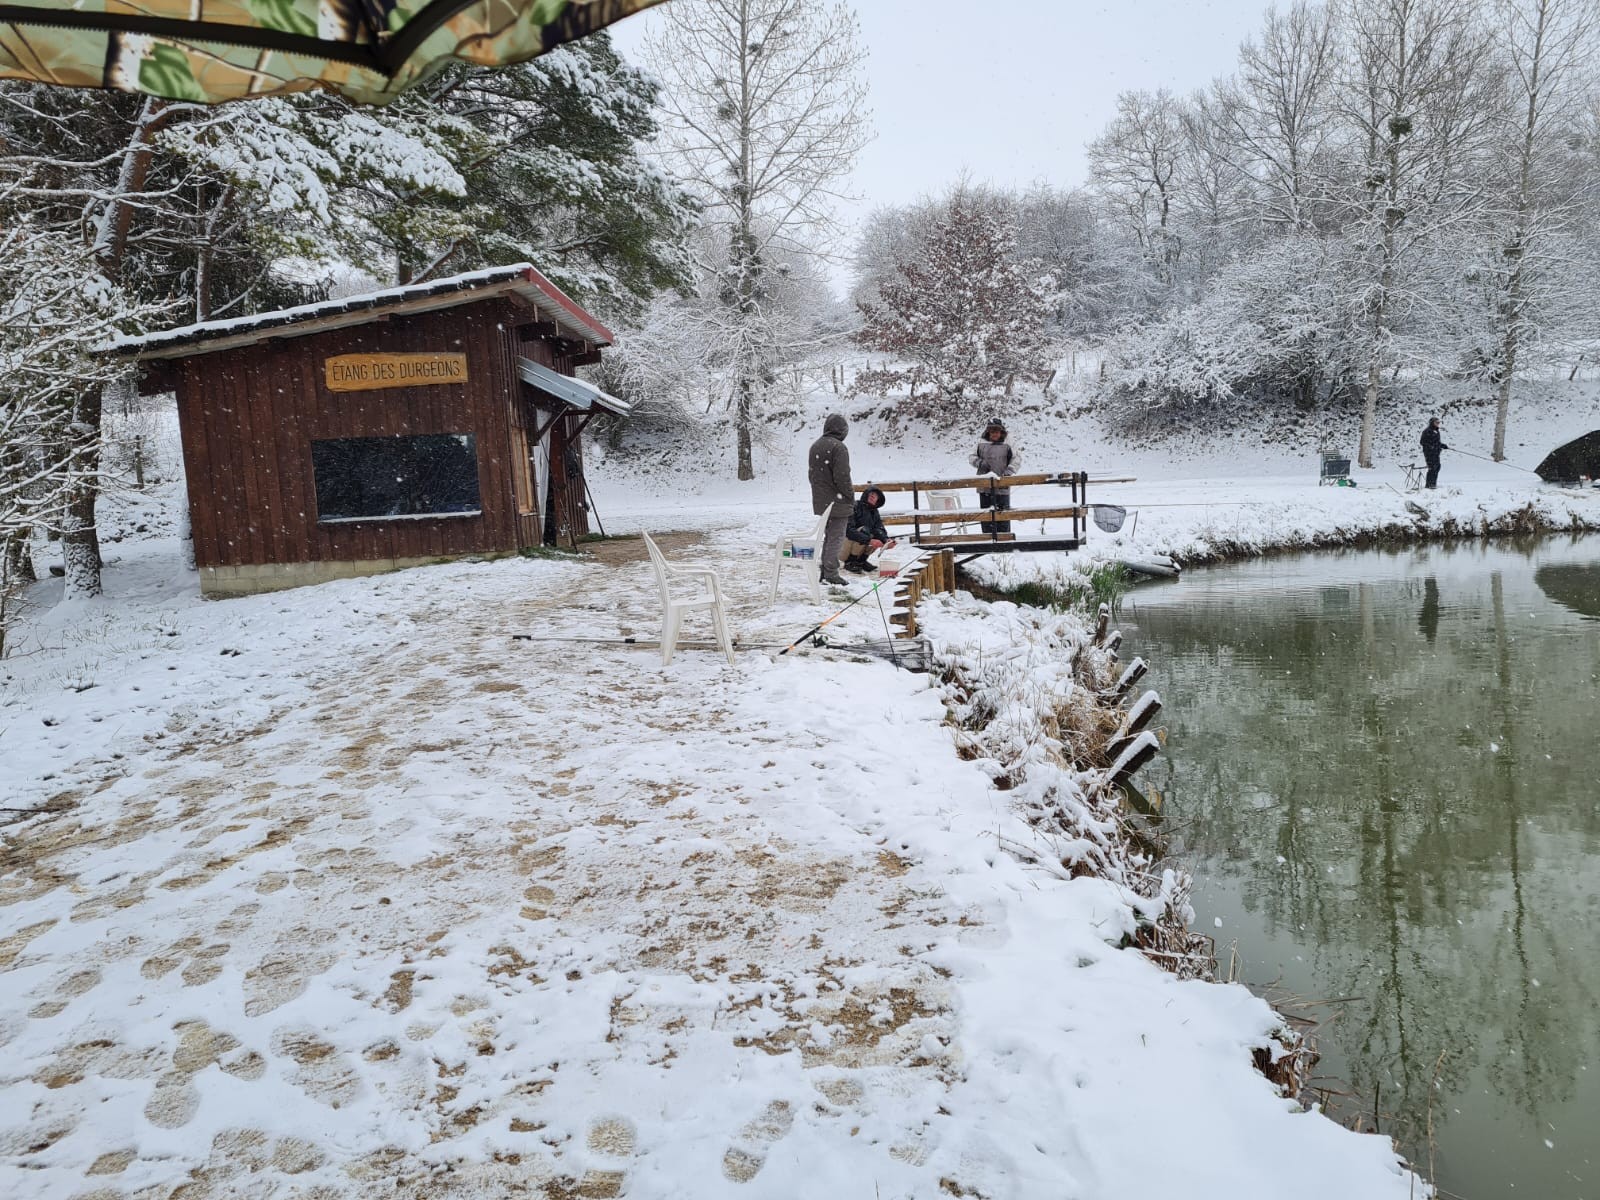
(550, 158)
(968, 315)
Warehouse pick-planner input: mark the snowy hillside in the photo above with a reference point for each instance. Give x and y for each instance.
(1064, 432)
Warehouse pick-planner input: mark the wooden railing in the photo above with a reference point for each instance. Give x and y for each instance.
(929, 527)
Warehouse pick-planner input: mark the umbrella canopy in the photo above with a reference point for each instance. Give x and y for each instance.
(215, 50)
(1565, 464)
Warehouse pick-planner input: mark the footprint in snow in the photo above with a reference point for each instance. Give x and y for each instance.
(174, 1102)
(323, 1073)
(611, 1142)
(745, 1158)
(61, 992)
(841, 1092)
(279, 978)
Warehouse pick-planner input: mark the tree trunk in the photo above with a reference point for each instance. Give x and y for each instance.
(1517, 249)
(1380, 318)
(747, 468)
(17, 566)
(80, 538)
(80, 542)
(1369, 412)
(1511, 338)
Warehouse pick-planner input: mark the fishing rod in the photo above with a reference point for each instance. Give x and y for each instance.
(689, 644)
(817, 628)
(887, 632)
(1499, 462)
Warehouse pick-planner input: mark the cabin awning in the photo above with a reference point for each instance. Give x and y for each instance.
(215, 50)
(584, 397)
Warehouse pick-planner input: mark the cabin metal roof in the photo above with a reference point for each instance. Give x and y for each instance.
(584, 397)
(520, 279)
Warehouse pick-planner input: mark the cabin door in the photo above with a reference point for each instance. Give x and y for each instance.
(529, 470)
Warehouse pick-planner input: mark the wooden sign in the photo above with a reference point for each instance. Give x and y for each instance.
(368, 372)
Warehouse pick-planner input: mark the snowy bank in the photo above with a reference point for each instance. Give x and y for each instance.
(1198, 522)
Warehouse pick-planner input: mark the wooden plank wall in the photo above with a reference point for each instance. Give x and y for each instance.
(936, 572)
(249, 417)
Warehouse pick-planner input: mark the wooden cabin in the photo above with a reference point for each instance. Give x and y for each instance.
(382, 431)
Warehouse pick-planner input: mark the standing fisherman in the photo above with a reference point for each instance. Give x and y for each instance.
(1431, 445)
(994, 456)
(829, 466)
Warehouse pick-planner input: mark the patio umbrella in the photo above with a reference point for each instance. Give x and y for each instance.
(215, 50)
(1565, 464)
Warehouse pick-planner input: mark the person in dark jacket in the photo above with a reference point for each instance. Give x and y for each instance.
(995, 456)
(829, 468)
(865, 532)
(1431, 445)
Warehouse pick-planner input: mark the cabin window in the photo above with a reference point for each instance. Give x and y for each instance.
(394, 478)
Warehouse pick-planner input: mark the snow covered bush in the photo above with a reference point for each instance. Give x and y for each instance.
(1277, 326)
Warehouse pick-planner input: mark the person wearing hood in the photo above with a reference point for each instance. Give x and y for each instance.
(829, 468)
(865, 532)
(1431, 445)
(995, 456)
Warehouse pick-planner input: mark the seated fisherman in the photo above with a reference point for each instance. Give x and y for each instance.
(865, 532)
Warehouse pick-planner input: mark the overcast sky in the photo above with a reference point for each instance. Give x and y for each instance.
(1010, 90)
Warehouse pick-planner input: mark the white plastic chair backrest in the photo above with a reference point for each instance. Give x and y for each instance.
(659, 562)
(822, 528)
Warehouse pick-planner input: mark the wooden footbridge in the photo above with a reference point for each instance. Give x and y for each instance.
(936, 522)
(939, 529)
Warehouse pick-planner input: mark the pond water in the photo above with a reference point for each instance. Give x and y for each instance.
(1381, 768)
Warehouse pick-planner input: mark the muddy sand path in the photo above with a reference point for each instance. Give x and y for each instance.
(464, 914)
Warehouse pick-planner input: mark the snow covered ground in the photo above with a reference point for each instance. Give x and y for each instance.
(345, 891)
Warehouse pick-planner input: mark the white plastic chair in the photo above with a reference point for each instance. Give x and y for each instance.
(708, 595)
(813, 566)
(944, 501)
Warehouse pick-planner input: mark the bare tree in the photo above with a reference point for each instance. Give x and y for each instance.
(1548, 46)
(1134, 164)
(1214, 196)
(1420, 96)
(1280, 115)
(766, 115)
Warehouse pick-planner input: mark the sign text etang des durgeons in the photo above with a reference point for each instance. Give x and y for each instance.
(367, 372)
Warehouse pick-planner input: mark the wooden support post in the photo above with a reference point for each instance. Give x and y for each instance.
(1134, 672)
(1144, 710)
(1138, 752)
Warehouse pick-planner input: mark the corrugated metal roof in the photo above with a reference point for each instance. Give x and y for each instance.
(581, 395)
(521, 279)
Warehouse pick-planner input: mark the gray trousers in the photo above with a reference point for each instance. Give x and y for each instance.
(833, 540)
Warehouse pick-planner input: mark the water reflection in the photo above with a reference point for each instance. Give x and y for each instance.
(1572, 586)
(1428, 618)
(1383, 766)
